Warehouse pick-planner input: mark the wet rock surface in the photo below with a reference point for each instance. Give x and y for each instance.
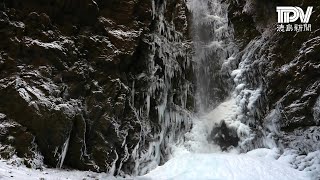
(224, 136)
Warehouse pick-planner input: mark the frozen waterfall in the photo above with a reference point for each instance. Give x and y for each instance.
(220, 65)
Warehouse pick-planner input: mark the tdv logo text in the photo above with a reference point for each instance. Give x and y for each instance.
(288, 14)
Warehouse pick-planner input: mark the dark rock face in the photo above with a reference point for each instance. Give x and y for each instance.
(286, 67)
(224, 136)
(15, 139)
(75, 76)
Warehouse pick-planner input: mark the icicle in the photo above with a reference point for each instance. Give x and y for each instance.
(113, 166)
(167, 44)
(63, 152)
(132, 93)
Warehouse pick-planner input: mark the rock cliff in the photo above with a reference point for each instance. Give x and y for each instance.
(83, 83)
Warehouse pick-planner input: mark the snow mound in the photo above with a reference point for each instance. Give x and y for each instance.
(13, 172)
(259, 164)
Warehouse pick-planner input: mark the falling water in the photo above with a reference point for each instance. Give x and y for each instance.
(213, 46)
(224, 91)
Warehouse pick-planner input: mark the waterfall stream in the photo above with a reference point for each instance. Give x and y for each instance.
(216, 55)
(214, 47)
(227, 89)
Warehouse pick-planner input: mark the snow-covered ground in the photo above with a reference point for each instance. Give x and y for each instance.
(13, 172)
(199, 159)
(259, 164)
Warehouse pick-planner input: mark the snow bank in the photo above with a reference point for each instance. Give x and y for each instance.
(255, 165)
(8, 171)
